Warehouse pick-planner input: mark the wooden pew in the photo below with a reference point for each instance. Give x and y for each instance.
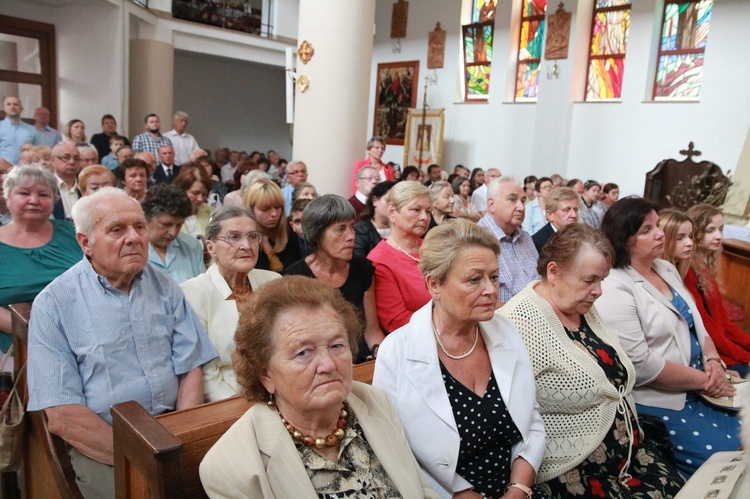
(46, 470)
(735, 261)
(159, 457)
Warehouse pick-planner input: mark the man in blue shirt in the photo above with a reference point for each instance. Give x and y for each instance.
(180, 255)
(14, 132)
(46, 135)
(109, 330)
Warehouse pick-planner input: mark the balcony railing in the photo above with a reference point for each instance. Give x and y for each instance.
(238, 15)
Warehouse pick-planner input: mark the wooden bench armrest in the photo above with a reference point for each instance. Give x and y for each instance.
(143, 446)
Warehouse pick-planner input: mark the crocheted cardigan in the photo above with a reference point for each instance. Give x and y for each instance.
(576, 400)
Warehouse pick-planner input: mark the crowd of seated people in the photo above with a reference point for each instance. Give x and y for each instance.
(229, 274)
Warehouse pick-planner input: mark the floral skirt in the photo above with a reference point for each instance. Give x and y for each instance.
(654, 475)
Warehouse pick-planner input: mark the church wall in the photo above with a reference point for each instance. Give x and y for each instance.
(247, 113)
(607, 141)
(90, 58)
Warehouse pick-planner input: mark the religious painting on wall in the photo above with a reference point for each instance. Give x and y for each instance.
(395, 93)
(558, 34)
(424, 137)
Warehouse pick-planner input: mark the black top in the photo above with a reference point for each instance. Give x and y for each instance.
(487, 434)
(433, 223)
(357, 282)
(101, 142)
(289, 255)
(353, 290)
(366, 237)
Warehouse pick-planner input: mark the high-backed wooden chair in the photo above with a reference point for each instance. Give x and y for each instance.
(46, 469)
(158, 457)
(681, 184)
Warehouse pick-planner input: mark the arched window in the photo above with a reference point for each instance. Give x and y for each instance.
(530, 40)
(679, 70)
(609, 37)
(478, 36)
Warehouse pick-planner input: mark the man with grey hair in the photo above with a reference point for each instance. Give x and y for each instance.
(367, 178)
(109, 330)
(150, 160)
(506, 205)
(182, 142)
(88, 155)
(46, 135)
(479, 196)
(296, 173)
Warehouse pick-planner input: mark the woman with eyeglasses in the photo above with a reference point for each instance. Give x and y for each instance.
(219, 295)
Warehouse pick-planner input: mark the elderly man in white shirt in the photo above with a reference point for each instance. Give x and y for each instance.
(182, 142)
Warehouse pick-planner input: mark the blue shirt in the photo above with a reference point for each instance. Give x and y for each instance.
(535, 218)
(48, 137)
(145, 142)
(517, 260)
(287, 191)
(184, 258)
(93, 345)
(110, 161)
(12, 137)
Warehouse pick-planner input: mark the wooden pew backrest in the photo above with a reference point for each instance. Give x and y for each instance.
(159, 457)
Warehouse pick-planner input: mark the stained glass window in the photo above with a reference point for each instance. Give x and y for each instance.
(609, 38)
(477, 41)
(530, 49)
(679, 70)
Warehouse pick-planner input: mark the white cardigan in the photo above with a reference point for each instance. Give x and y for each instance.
(408, 369)
(208, 294)
(576, 399)
(651, 330)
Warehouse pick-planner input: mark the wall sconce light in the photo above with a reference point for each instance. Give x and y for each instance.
(553, 71)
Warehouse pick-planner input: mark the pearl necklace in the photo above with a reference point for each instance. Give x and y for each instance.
(456, 357)
(403, 250)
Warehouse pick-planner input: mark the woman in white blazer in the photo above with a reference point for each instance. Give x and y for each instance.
(217, 296)
(661, 331)
(460, 376)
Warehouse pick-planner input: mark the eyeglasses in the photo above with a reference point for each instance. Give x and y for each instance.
(300, 172)
(234, 238)
(68, 157)
(370, 179)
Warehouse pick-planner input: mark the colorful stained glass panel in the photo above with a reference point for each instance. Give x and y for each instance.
(686, 25)
(532, 34)
(600, 4)
(527, 81)
(679, 76)
(477, 82)
(605, 79)
(484, 10)
(533, 8)
(610, 32)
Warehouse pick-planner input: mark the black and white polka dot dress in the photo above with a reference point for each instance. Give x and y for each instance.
(487, 434)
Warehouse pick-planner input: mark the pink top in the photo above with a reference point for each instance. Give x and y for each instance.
(399, 286)
(388, 169)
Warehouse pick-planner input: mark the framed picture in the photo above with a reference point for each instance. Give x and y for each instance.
(423, 144)
(395, 93)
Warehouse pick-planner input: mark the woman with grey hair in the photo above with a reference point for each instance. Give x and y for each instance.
(220, 295)
(441, 196)
(328, 229)
(460, 375)
(34, 250)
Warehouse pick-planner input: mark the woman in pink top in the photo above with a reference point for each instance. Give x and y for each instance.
(399, 286)
(375, 150)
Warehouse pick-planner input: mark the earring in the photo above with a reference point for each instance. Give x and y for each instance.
(271, 403)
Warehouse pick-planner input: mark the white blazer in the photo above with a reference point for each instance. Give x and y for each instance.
(208, 294)
(650, 328)
(408, 369)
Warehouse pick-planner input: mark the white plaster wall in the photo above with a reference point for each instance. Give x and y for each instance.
(608, 141)
(235, 104)
(90, 57)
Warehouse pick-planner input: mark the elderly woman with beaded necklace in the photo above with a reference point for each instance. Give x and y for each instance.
(460, 375)
(320, 434)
